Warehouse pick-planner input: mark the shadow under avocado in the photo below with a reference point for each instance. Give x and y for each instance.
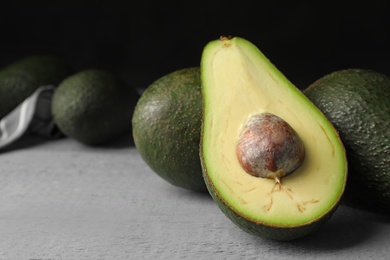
(26, 141)
(348, 227)
(121, 142)
(189, 194)
(32, 140)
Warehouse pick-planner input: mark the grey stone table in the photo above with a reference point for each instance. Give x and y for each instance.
(63, 200)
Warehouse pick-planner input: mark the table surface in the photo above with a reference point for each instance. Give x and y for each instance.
(60, 199)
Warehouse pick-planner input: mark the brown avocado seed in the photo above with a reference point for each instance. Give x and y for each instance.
(268, 147)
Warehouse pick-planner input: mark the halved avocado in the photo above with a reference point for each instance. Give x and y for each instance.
(294, 170)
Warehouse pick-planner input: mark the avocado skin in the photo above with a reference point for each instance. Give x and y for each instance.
(357, 102)
(21, 78)
(94, 106)
(167, 125)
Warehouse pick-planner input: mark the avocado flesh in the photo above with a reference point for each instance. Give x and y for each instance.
(238, 81)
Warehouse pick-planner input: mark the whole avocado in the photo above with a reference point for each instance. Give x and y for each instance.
(166, 128)
(93, 106)
(21, 78)
(357, 102)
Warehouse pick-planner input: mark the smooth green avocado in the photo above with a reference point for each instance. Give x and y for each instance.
(166, 128)
(357, 102)
(94, 106)
(271, 160)
(21, 78)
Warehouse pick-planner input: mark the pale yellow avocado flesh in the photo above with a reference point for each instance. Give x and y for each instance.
(239, 81)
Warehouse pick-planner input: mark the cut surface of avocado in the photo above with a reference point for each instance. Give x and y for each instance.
(238, 83)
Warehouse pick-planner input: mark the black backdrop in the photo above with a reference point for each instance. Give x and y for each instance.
(144, 40)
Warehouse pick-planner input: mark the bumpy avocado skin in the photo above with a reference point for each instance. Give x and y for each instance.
(21, 78)
(94, 107)
(357, 102)
(167, 125)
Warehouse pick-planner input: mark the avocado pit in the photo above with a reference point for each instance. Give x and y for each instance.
(268, 147)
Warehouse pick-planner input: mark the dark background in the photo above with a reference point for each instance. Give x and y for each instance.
(142, 41)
